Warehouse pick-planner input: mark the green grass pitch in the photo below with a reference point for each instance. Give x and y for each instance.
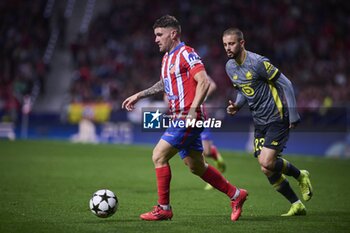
(45, 186)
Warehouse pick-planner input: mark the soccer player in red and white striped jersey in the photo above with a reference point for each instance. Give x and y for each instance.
(185, 82)
(178, 66)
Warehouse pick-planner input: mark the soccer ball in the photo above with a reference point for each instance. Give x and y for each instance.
(103, 203)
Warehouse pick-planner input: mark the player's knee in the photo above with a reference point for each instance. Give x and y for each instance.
(193, 170)
(196, 168)
(266, 163)
(158, 159)
(265, 171)
(206, 153)
(199, 171)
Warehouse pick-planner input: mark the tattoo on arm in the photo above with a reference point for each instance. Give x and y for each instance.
(155, 89)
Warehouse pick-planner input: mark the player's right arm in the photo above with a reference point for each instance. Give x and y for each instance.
(233, 108)
(129, 103)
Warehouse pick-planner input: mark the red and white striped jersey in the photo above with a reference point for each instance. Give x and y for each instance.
(178, 70)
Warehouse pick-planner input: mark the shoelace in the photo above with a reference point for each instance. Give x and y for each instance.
(304, 187)
(235, 205)
(156, 210)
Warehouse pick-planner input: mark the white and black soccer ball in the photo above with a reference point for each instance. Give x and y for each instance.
(103, 203)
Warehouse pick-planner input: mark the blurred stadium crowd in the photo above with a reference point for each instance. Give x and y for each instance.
(308, 40)
(24, 36)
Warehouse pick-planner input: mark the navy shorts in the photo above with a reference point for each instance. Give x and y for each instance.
(184, 139)
(273, 135)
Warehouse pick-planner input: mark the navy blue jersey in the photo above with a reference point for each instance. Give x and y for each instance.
(256, 79)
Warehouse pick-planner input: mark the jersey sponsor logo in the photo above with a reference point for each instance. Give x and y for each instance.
(248, 75)
(167, 90)
(248, 91)
(167, 85)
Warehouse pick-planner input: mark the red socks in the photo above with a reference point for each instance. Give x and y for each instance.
(163, 175)
(214, 177)
(211, 176)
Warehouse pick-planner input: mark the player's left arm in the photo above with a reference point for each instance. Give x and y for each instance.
(129, 103)
(196, 70)
(203, 84)
(212, 86)
(288, 90)
(272, 74)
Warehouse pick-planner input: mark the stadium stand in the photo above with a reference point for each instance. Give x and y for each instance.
(309, 42)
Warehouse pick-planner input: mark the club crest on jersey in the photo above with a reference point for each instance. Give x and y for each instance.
(172, 68)
(249, 75)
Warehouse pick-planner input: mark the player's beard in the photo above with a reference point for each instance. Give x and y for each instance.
(236, 54)
(164, 48)
(161, 48)
(231, 55)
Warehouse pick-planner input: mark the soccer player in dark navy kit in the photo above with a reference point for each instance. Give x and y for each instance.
(185, 82)
(271, 99)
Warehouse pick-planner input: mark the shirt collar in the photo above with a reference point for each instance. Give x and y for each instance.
(177, 47)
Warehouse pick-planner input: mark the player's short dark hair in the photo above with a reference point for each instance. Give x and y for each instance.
(167, 21)
(234, 31)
